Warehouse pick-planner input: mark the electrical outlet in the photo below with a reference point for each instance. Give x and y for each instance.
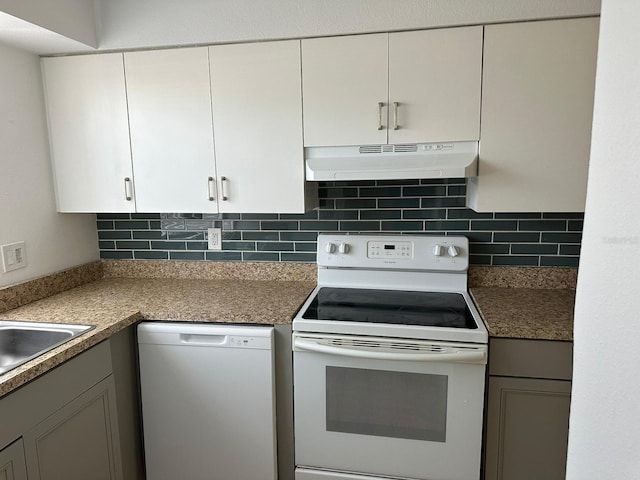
(14, 256)
(214, 238)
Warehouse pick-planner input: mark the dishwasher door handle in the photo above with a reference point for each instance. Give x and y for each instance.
(203, 339)
(455, 356)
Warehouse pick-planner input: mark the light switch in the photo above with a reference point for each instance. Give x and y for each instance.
(14, 256)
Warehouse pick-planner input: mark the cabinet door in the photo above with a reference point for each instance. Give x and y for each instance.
(78, 442)
(89, 133)
(257, 114)
(12, 466)
(537, 107)
(344, 79)
(171, 130)
(527, 429)
(435, 78)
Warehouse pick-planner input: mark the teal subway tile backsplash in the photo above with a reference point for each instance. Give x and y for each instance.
(396, 206)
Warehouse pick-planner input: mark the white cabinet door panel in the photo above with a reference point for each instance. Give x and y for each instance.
(344, 79)
(537, 108)
(171, 129)
(435, 77)
(89, 132)
(257, 112)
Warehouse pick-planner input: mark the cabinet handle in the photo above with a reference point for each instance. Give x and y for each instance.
(395, 116)
(128, 194)
(380, 125)
(211, 186)
(223, 181)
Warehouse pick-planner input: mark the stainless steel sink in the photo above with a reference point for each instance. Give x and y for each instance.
(23, 341)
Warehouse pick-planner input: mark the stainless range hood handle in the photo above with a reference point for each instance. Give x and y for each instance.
(380, 106)
(455, 356)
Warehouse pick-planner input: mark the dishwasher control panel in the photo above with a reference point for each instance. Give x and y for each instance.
(249, 342)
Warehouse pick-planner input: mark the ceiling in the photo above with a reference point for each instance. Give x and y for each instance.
(50, 27)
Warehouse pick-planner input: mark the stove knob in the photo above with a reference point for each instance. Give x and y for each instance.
(437, 250)
(344, 247)
(330, 248)
(453, 251)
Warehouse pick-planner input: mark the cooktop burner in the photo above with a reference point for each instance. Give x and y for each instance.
(433, 309)
(392, 286)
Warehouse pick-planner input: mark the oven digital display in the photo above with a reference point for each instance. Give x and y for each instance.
(390, 250)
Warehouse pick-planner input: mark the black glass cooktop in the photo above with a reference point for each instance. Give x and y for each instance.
(432, 309)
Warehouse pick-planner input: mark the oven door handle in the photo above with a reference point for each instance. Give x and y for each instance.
(454, 356)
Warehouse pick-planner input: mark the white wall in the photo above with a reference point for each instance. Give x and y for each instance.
(155, 23)
(604, 435)
(27, 36)
(74, 19)
(27, 204)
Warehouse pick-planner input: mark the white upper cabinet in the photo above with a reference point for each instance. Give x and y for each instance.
(407, 87)
(537, 108)
(135, 132)
(89, 133)
(257, 114)
(345, 90)
(169, 102)
(434, 85)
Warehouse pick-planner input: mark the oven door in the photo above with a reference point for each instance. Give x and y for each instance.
(388, 407)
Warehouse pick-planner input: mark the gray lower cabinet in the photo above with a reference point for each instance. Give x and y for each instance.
(79, 421)
(12, 464)
(78, 441)
(284, 403)
(529, 394)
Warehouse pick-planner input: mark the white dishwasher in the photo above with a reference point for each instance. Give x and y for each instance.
(208, 403)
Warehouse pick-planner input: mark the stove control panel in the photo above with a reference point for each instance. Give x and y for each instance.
(394, 249)
(398, 252)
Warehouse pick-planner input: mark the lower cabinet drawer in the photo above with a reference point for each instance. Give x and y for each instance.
(511, 357)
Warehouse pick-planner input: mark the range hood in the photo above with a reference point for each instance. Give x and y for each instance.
(392, 162)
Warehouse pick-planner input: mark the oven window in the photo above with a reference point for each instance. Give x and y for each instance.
(386, 403)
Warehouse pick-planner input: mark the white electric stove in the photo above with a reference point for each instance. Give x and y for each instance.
(389, 362)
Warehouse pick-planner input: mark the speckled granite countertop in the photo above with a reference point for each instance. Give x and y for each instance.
(115, 303)
(527, 313)
(531, 303)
